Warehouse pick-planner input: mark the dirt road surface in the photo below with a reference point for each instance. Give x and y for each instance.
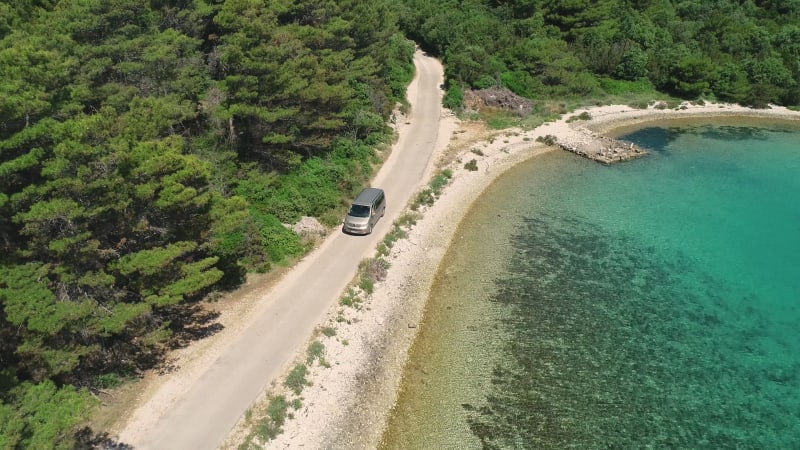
(203, 414)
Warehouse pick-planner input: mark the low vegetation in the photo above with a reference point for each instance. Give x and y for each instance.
(266, 422)
(428, 195)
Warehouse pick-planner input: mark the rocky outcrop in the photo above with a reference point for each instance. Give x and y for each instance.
(597, 147)
(497, 98)
(309, 227)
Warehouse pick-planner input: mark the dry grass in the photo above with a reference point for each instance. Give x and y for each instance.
(470, 134)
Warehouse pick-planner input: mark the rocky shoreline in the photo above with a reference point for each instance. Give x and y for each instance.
(602, 149)
(348, 404)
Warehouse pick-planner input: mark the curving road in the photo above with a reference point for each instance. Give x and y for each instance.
(207, 411)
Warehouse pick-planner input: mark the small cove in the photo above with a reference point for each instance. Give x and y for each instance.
(652, 303)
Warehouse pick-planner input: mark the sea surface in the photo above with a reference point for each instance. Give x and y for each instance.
(649, 304)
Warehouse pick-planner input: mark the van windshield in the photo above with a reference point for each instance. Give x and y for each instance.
(359, 211)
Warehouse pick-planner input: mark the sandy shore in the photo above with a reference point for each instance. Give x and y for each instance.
(347, 403)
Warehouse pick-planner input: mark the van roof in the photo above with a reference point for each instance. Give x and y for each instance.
(367, 196)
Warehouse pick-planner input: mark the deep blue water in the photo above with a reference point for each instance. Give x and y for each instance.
(649, 304)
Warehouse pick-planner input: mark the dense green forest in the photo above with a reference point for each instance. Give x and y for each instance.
(739, 51)
(151, 151)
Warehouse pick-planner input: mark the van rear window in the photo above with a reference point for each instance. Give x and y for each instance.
(359, 211)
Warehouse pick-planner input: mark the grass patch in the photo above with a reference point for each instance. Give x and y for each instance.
(328, 331)
(472, 165)
(351, 298)
(440, 181)
(296, 380)
(367, 285)
(394, 235)
(408, 219)
(500, 119)
(316, 352)
(477, 151)
(271, 425)
(424, 197)
(428, 195)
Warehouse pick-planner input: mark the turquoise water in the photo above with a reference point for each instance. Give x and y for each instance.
(650, 304)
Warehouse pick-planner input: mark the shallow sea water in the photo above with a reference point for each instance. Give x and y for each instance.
(650, 304)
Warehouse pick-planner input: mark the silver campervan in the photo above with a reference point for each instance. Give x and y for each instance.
(367, 208)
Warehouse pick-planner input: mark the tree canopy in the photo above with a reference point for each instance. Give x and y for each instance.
(150, 152)
(729, 50)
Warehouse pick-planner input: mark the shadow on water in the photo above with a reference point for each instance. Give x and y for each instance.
(659, 139)
(618, 345)
(731, 133)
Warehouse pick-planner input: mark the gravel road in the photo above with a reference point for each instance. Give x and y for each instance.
(201, 412)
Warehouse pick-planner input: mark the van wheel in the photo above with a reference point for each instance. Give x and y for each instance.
(369, 230)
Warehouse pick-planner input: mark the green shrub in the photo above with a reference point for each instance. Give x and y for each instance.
(425, 197)
(367, 285)
(316, 350)
(440, 181)
(547, 139)
(391, 237)
(582, 116)
(625, 87)
(350, 298)
(484, 82)
(108, 380)
(454, 97)
(400, 71)
(296, 380)
(521, 83)
(315, 186)
(472, 165)
(407, 219)
(382, 249)
(271, 426)
(277, 241)
(329, 331)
